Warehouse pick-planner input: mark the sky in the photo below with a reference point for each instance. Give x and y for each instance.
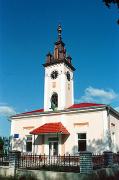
(28, 30)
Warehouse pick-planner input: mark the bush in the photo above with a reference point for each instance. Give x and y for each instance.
(7, 178)
(23, 177)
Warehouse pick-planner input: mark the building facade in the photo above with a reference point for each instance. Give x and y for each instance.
(63, 127)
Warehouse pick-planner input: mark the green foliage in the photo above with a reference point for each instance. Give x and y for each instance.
(27, 177)
(1, 141)
(23, 177)
(1, 144)
(4, 144)
(108, 3)
(7, 178)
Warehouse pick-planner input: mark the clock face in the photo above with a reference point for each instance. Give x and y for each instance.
(54, 74)
(68, 76)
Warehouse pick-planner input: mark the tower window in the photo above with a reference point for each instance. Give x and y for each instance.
(54, 101)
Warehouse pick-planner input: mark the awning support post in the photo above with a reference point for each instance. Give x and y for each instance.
(58, 143)
(34, 144)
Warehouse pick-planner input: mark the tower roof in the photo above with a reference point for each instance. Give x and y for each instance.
(59, 55)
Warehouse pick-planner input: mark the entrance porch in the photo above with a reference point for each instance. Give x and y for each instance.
(51, 138)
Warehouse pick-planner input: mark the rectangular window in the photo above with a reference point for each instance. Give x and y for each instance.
(81, 141)
(29, 143)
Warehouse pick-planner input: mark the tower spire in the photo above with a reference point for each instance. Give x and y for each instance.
(59, 55)
(59, 29)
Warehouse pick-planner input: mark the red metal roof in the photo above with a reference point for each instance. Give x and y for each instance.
(50, 128)
(31, 112)
(81, 105)
(84, 105)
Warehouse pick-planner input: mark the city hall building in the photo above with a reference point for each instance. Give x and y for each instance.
(63, 127)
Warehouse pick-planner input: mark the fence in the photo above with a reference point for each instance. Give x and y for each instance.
(4, 159)
(98, 161)
(116, 158)
(60, 163)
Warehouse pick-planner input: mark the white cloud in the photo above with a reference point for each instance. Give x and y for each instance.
(98, 95)
(6, 111)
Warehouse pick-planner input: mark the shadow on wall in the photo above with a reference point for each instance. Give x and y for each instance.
(95, 146)
(19, 144)
(99, 146)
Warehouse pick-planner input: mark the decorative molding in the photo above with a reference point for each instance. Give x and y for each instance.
(77, 125)
(58, 62)
(28, 127)
(53, 84)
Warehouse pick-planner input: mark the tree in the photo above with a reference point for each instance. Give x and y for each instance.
(108, 3)
(1, 145)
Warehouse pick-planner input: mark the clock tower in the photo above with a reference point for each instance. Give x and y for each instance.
(58, 85)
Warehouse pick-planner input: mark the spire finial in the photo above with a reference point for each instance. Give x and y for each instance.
(59, 29)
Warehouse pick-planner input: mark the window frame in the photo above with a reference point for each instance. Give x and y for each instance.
(82, 139)
(28, 141)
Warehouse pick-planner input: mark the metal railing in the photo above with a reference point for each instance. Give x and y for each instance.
(53, 163)
(4, 159)
(116, 158)
(59, 163)
(98, 161)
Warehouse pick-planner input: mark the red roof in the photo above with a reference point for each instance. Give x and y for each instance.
(31, 112)
(50, 128)
(81, 105)
(84, 105)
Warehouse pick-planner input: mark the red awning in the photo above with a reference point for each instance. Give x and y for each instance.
(50, 128)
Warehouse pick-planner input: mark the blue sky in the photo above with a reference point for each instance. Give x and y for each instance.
(28, 32)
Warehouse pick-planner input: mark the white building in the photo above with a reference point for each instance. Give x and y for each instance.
(63, 127)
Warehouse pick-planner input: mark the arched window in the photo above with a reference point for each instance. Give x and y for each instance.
(54, 101)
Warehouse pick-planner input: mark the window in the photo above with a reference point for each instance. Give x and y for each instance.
(54, 101)
(29, 143)
(82, 142)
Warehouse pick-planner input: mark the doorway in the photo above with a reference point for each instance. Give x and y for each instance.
(53, 148)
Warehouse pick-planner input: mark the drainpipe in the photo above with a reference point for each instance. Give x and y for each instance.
(109, 130)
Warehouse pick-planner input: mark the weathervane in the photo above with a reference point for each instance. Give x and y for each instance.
(59, 29)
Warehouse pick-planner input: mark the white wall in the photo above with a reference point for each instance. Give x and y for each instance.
(94, 123)
(60, 85)
(114, 130)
